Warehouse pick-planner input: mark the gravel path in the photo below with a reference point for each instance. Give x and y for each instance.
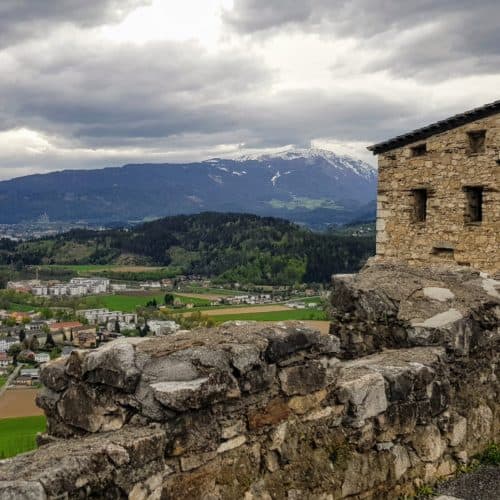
(483, 484)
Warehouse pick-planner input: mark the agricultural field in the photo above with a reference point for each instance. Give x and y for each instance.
(218, 292)
(280, 315)
(242, 309)
(112, 271)
(19, 403)
(18, 435)
(130, 302)
(97, 268)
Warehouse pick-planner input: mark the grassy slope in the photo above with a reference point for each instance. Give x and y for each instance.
(17, 435)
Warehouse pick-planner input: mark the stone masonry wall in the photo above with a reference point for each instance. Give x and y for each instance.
(276, 411)
(444, 170)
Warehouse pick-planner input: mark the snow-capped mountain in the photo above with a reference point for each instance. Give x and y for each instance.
(312, 186)
(313, 156)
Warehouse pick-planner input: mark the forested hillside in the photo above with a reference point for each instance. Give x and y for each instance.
(230, 247)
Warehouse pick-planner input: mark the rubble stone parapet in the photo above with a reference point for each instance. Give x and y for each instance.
(254, 411)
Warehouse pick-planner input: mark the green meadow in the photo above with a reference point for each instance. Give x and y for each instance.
(129, 303)
(18, 435)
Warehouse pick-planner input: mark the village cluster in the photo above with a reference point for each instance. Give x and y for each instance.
(28, 341)
(77, 287)
(80, 287)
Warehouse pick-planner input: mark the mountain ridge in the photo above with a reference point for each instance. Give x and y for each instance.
(311, 187)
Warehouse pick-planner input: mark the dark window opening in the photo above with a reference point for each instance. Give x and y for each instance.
(477, 141)
(444, 252)
(419, 150)
(474, 204)
(419, 205)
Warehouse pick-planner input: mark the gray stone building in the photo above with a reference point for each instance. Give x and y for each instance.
(439, 192)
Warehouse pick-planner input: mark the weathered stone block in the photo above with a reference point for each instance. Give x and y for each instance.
(303, 379)
(428, 443)
(401, 462)
(274, 412)
(193, 394)
(194, 461)
(365, 394)
(53, 375)
(232, 430)
(91, 409)
(457, 430)
(232, 444)
(284, 342)
(303, 404)
(22, 490)
(113, 365)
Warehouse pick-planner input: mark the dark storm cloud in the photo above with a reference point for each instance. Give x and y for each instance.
(300, 116)
(123, 95)
(114, 93)
(256, 15)
(426, 38)
(25, 19)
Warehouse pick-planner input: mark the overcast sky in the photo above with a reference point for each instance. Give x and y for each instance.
(94, 83)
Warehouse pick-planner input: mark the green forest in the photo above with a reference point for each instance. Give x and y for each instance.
(225, 247)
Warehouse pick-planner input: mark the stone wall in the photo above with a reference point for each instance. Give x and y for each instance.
(276, 411)
(444, 170)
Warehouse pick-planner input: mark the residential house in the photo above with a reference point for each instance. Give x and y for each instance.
(42, 357)
(28, 376)
(20, 317)
(5, 360)
(65, 327)
(6, 342)
(102, 316)
(85, 337)
(35, 326)
(160, 327)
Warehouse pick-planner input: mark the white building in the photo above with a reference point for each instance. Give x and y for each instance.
(35, 326)
(149, 285)
(77, 287)
(99, 316)
(40, 290)
(93, 285)
(6, 342)
(118, 287)
(42, 357)
(159, 327)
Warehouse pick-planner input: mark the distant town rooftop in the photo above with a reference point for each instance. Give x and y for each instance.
(436, 128)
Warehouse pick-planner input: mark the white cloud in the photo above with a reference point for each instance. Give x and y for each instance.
(172, 20)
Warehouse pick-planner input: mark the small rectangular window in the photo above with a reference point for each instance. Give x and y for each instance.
(444, 252)
(419, 205)
(477, 141)
(419, 150)
(473, 204)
